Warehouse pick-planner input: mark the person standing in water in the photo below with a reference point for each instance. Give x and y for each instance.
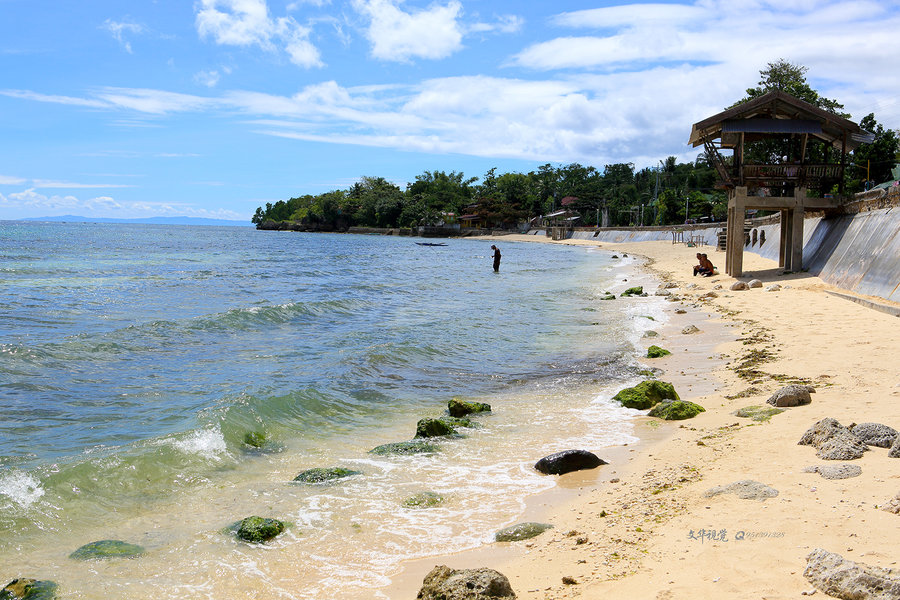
(496, 257)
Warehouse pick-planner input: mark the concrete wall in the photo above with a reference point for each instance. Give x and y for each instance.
(859, 252)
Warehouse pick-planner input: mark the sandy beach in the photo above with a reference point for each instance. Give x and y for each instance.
(644, 527)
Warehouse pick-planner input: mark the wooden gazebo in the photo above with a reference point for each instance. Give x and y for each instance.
(773, 139)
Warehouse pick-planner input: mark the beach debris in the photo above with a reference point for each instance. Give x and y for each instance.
(424, 500)
(746, 489)
(633, 291)
(444, 583)
(833, 441)
(521, 531)
(690, 329)
(104, 549)
(24, 588)
(738, 286)
(646, 394)
(835, 471)
(874, 434)
(427, 428)
(568, 580)
(324, 474)
(790, 395)
(708, 295)
(758, 413)
(404, 448)
(680, 311)
(893, 505)
(676, 410)
(718, 286)
(773, 288)
(841, 578)
(656, 352)
(461, 408)
(258, 529)
(755, 283)
(568, 461)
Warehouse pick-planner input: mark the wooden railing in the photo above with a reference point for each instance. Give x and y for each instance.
(773, 174)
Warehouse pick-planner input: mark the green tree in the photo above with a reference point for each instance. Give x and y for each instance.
(877, 159)
(787, 77)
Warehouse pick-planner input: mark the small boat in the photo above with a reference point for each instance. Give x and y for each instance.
(429, 244)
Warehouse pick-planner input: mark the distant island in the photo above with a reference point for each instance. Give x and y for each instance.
(144, 221)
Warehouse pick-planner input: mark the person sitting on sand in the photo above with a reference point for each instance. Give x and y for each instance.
(705, 268)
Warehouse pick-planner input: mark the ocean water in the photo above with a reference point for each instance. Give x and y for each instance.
(135, 359)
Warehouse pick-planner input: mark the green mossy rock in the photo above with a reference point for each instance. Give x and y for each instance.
(608, 296)
(323, 474)
(461, 408)
(255, 439)
(29, 589)
(521, 531)
(107, 549)
(404, 448)
(656, 352)
(259, 529)
(676, 410)
(758, 413)
(424, 500)
(427, 428)
(646, 394)
(633, 291)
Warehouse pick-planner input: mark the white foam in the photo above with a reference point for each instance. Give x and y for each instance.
(21, 488)
(208, 443)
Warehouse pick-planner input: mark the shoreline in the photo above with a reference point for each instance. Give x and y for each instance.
(636, 536)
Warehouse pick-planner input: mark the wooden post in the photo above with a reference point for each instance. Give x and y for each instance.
(797, 230)
(734, 243)
(783, 242)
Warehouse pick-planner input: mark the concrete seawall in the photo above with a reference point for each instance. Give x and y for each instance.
(858, 252)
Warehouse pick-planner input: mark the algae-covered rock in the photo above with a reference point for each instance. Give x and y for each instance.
(521, 531)
(656, 352)
(258, 529)
(424, 500)
(568, 461)
(29, 589)
(427, 428)
(461, 408)
(404, 448)
(676, 410)
(323, 474)
(646, 394)
(258, 442)
(633, 291)
(758, 413)
(104, 549)
(608, 296)
(255, 439)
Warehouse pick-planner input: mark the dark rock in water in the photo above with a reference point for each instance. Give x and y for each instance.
(423, 500)
(645, 394)
(633, 291)
(790, 395)
(404, 448)
(758, 413)
(835, 471)
(444, 583)
(427, 428)
(842, 578)
(746, 489)
(656, 352)
(821, 432)
(259, 529)
(461, 408)
(608, 296)
(875, 434)
(255, 439)
(676, 410)
(323, 474)
(257, 442)
(568, 461)
(521, 531)
(107, 549)
(29, 589)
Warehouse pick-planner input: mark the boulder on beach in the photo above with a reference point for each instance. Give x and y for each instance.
(258, 529)
(105, 549)
(746, 489)
(790, 395)
(738, 286)
(633, 291)
(568, 461)
(835, 471)
(894, 452)
(657, 352)
(874, 434)
(444, 583)
(773, 288)
(676, 410)
(404, 448)
(427, 428)
(323, 474)
(833, 441)
(893, 505)
(755, 283)
(841, 578)
(646, 394)
(461, 408)
(29, 589)
(821, 432)
(690, 329)
(521, 531)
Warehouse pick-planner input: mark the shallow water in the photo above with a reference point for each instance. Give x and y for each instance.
(134, 360)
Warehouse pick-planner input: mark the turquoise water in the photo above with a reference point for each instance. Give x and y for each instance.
(134, 359)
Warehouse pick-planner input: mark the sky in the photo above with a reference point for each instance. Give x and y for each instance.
(211, 108)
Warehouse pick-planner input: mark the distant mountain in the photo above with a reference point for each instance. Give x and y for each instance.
(146, 221)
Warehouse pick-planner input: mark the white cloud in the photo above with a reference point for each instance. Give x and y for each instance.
(7, 180)
(208, 78)
(247, 23)
(504, 24)
(118, 29)
(396, 35)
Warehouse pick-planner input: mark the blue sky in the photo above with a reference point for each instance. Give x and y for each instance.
(211, 108)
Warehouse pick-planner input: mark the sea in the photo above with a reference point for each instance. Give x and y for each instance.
(136, 361)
